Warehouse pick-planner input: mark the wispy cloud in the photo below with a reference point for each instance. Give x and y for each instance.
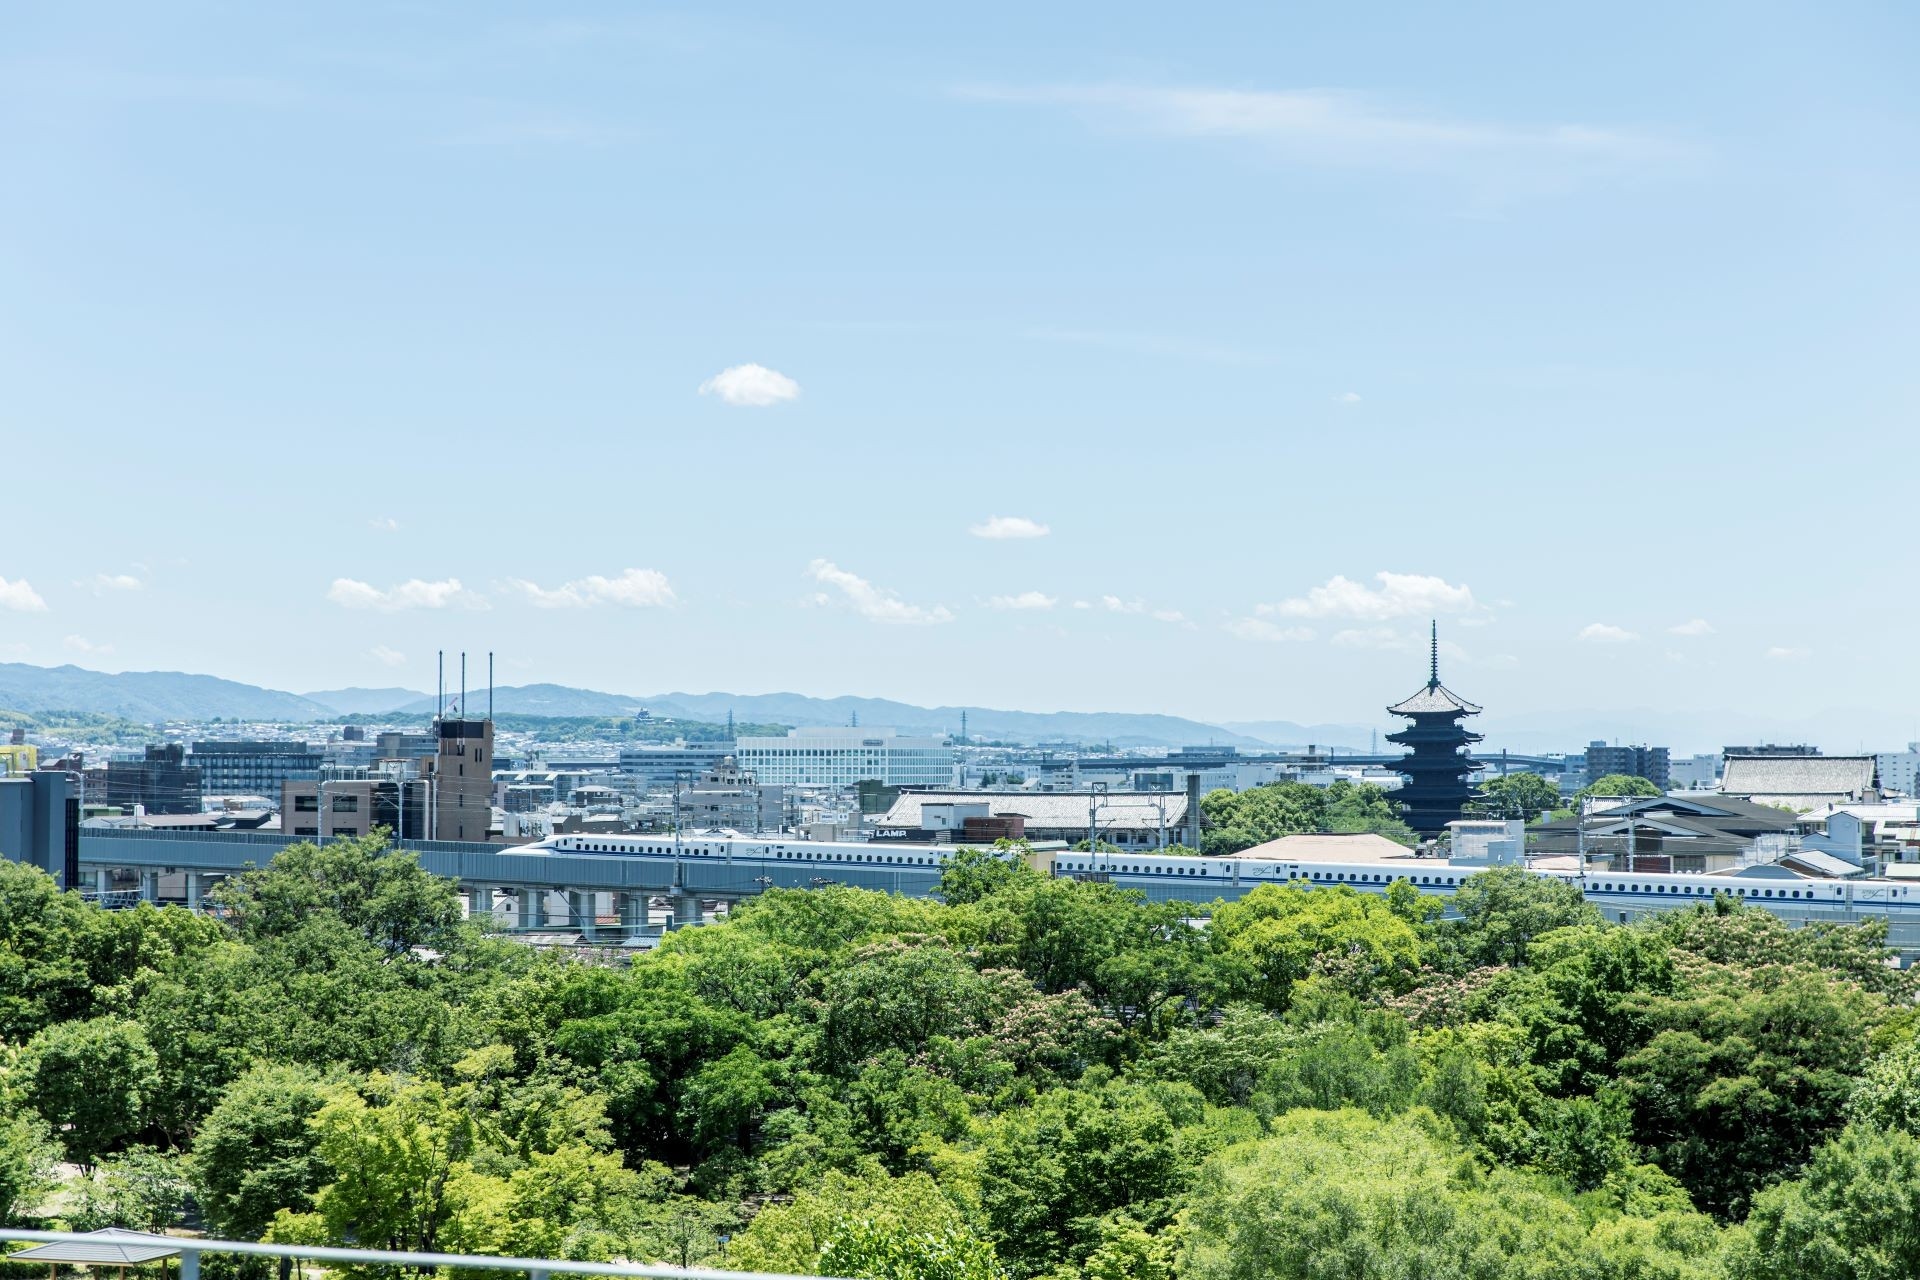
(19, 596)
(1009, 527)
(633, 589)
(1264, 632)
(1348, 397)
(1606, 633)
(751, 386)
(871, 602)
(82, 645)
(387, 657)
(384, 524)
(1338, 128)
(1787, 653)
(1399, 595)
(101, 583)
(1025, 600)
(414, 593)
(1692, 627)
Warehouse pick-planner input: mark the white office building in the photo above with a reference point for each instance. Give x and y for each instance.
(1899, 770)
(842, 757)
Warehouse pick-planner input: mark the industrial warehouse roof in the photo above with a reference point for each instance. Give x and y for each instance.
(1365, 847)
(1815, 779)
(107, 1247)
(1053, 810)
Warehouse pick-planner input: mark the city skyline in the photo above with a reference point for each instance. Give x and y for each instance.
(1004, 359)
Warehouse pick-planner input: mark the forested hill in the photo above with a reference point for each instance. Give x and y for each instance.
(1035, 1078)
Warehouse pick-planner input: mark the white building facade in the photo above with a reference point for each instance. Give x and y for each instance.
(842, 757)
(1899, 770)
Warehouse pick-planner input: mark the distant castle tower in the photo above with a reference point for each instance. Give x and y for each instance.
(1437, 763)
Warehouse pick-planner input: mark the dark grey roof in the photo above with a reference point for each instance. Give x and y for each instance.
(1432, 697)
(109, 1246)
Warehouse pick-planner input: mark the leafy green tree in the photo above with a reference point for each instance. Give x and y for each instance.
(28, 1155)
(1738, 1085)
(791, 1237)
(1502, 911)
(972, 874)
(1618, 784)
(1516, 795)
(1236, 820)
(1050, 1172)
(140, 1190)
(1855, 1215)
(44, 975)
(868, 1252)
(257, 1153)
(1272, 939)
(381, 894)
(1343, 1195)
(1888, 1093)
(92, 1081)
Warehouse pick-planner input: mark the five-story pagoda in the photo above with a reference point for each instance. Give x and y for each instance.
(1437, 764)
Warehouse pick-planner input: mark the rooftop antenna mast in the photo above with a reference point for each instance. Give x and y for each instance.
(463, 684)
(440, 693)
(489, 686)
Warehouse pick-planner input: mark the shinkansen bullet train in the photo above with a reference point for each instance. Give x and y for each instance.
(730, 865)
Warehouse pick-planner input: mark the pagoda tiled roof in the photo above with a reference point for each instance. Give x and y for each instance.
(1433, 698)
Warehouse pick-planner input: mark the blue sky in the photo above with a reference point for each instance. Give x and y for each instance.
(695, 348)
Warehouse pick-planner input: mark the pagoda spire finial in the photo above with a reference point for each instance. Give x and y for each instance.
(1433, 672)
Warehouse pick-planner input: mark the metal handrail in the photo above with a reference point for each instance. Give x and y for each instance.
(191, 1248)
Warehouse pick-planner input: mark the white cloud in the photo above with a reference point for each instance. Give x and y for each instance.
(751, 386)
(1025, 600)
(1009, 527)
(1694, 627)
(1259, 629)
(80, 644)
(387, 657)
(1606, 633)
(1169, 615)
(19, 596)
(414, 593)
(1083, 604)
(101, 583)
(634, 589)
(384, 524)
(874, 603)
(1348, 397)
(1399, 595)
(1346, 130)
(1114, 604)
(1787, 653)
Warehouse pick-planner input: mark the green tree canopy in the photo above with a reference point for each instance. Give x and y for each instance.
(1619, 784)
(1516, 795)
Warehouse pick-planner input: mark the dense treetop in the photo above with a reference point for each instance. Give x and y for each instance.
(1033, 1077)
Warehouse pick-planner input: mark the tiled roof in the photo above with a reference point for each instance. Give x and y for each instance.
(1433, 697)
(1052, 810)
(1797, 776)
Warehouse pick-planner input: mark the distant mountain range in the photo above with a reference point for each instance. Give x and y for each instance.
(151, 696)
(160, 696)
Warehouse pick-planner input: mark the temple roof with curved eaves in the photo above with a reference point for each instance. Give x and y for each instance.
(1434, 698)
